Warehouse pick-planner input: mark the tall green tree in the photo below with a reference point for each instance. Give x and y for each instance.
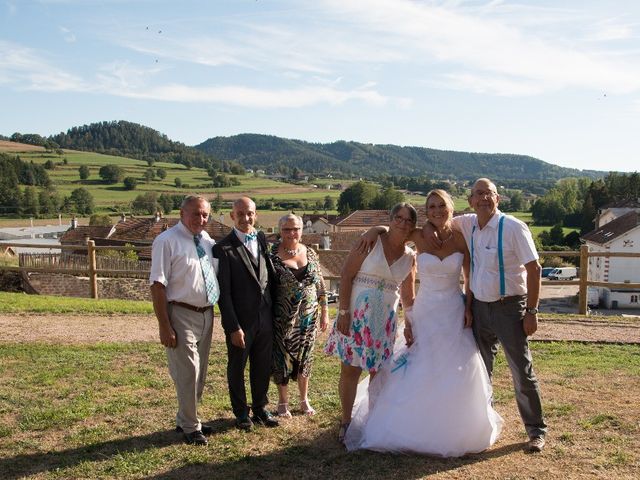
(84, 172)
(82, 201)
(111, 173)
(358, 196)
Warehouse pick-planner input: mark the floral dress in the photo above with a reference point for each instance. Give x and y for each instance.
(297, 306)
(374, 300)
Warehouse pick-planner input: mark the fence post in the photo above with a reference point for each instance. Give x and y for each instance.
(93, 277)
(584, 278)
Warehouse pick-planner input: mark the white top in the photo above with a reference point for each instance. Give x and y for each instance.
(251, 245)
(518, 249)
(175, 264)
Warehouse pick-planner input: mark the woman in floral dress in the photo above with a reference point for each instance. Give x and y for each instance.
(371, 285)
(300, 304)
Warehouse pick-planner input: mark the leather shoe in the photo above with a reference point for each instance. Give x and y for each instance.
(195, 438)
(205, 429)
(244, 423)
(263, 417)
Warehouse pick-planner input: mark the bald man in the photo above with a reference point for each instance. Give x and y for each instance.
(244, 275)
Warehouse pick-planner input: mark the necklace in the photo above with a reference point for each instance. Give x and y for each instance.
(446, 239)
(291, 253)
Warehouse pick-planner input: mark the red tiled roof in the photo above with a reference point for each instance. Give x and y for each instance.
(78, 235)
(331, 262)
(614, 228)
(368, 218)
(147, 229)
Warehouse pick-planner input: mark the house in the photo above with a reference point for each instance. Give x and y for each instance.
(315, 223)
(364, 219)
(616, 232)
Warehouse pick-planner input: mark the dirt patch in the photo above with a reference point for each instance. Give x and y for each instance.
(6, 146)
(70, 329)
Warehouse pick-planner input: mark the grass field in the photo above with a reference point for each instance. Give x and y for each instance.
(106, 410)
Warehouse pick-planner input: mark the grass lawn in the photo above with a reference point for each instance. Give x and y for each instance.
(105, 410)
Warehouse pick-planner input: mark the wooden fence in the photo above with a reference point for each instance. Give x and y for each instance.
(94, 264)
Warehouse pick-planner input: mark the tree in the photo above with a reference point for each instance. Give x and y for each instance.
(166, 202)
(329, 203)
(30, 203)
(149, 175)
(178, 182)
(161, 173)
(216, 203)
(358, 196)
(111, 173)
(82, 201)
(84, 172)
(100, 220)
(49, 201)
(130, 183)
(386, 199)
(145, 203)
(49, 165)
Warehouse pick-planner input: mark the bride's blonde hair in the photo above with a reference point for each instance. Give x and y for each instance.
(445, 197)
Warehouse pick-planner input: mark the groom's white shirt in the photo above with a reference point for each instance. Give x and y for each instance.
(518, 249)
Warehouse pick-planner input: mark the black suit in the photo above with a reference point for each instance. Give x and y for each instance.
(245, 302)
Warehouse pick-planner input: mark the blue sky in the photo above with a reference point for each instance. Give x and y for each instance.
(558, 80)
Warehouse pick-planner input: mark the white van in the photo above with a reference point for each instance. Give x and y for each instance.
(563, 273)
(593, 297)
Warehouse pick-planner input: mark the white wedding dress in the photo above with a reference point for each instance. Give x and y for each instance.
(434, 397)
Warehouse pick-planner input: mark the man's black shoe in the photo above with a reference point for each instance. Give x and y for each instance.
(195, 438)
(244, 423)
(263, 417)
(205, 429)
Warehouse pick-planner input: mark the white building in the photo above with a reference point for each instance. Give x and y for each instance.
(618, 230)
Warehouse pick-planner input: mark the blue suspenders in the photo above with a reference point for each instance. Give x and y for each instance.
(500, 255)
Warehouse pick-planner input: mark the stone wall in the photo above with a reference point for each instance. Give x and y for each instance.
(73, 286)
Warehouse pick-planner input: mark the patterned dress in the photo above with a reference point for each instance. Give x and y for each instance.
(374, 299)
(297, 303)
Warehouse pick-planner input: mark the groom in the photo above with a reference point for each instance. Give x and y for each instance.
(505, 283)
(245, 304)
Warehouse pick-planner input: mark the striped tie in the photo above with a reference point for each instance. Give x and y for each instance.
(210, 281)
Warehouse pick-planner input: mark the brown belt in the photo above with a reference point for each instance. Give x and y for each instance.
(510, 299)
(191, 307)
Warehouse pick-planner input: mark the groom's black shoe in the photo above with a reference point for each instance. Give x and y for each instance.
(263, 417)
(205, 429)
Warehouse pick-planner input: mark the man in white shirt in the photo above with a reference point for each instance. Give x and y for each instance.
(184, 289)
(505, 283)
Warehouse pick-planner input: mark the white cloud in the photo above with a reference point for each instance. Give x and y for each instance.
(68, 35)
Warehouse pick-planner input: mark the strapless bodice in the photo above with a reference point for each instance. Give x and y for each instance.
(439, 275)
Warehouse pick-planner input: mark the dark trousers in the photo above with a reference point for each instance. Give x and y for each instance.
(258, 348)
(502, 323)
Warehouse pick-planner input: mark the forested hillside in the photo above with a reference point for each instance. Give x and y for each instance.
(367, 160)
(130, 140)
(275, 154)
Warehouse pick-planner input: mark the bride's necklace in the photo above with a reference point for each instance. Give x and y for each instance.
(446, 239)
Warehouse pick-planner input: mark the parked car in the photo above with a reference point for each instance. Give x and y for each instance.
(546, 271)
(333, 297)
(563, 273)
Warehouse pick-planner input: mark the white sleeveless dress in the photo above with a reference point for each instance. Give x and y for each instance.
(434, 397)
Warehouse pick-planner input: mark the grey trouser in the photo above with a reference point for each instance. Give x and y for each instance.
(501, 322)
(188, 362)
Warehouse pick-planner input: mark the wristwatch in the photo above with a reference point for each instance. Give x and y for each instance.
(342, 312)
(532, 310)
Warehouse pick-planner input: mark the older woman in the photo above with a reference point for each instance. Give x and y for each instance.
(300, 301)
(370, 288)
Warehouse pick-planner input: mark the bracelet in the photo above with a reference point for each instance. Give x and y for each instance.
(342, 312)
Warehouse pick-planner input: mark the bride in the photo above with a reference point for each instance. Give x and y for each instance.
(434, 396)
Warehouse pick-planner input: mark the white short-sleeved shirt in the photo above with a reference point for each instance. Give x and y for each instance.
(518, 250)
(175, 264)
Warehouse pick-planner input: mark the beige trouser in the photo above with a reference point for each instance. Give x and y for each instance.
(188, 361)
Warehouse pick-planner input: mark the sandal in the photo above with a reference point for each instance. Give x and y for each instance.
(283, 410)
(306, 408)
(342, 431)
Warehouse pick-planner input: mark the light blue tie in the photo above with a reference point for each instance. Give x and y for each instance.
(249, 237)
(210, 281)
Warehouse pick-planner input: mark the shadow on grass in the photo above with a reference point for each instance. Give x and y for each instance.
(319, 457)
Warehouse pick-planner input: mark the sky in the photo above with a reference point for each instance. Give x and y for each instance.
(558, 80)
